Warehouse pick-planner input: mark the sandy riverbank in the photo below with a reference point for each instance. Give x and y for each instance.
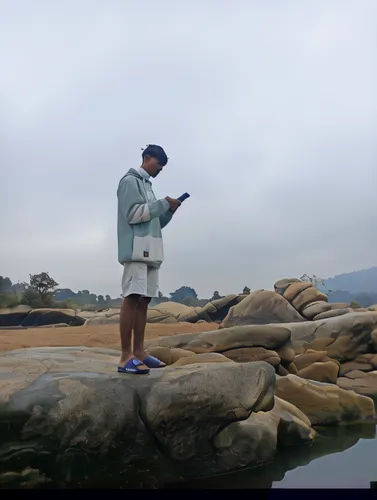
(90, 336)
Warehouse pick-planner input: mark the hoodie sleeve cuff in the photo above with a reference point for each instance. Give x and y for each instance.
(165, 204)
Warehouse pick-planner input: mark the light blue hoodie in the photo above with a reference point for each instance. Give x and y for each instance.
(140, 219)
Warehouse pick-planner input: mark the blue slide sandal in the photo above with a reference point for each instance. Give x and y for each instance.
(152, 362)
(132, 366)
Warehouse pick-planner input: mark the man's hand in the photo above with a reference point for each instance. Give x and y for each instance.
(174, 204)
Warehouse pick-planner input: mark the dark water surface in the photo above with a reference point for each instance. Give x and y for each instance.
(340, 457)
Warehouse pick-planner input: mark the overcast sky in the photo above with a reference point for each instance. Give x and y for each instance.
(267, 110)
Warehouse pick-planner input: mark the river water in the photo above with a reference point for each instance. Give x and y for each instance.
(340, 457)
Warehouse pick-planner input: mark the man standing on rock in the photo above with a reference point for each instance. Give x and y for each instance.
(140, 250)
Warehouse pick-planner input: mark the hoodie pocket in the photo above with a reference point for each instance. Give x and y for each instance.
(148, 249)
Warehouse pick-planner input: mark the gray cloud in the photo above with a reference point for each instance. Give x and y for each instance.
(267, 111)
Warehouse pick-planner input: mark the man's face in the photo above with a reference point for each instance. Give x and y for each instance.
(153, 166)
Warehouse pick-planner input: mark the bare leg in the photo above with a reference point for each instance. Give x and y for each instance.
(139, 327)
(127, 321)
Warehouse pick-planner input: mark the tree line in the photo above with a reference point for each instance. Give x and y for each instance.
(42, 291)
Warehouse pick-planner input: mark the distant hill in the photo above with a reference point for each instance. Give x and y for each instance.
(364, 281)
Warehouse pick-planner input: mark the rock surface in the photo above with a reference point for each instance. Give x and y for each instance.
(321, 372)
(30, 318)
(245, 355)
(311, 303)
(206, 357)
(360, 382)
(324, 404)
(260, 308)
(74, 416)
(214, 311)
(13, 316)
(255, 440)
(233, 342)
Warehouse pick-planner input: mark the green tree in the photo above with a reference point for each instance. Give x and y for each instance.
(246, 290)
(182, 293)
(5, 285)
(314, 280)
(215, 296)
(44, 285)
(354, 304)
(101, 300)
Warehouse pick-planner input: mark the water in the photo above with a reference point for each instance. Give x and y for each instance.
(341, 457)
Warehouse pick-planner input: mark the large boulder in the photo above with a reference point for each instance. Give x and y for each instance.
(332, 313)
(42, 317)
(168, 312)
(271, 337)
(310, 356)
(74, 419)
(311, 303)
(324, 404)
(247, 354)
(260, 308)
(316, 308)
(308, 297)
(13, 316)
(167, 355)
(205, 357)
(109, 316)
(361, 382)
(327, 371)
(256, 439)
(213, 312)
(344, 338)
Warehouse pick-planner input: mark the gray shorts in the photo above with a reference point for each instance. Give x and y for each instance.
(140, 279)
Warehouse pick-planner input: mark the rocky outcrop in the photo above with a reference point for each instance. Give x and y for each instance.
(324, 404)
(255, 440)
(74, 417)
(321, 350)
(260, 308)
(307, 300)
(235, 343)
(247, 354)
(361, 382)
(343, 338)
(13, 316)
(205, 357)
(172, 312)
(108, 316)
(321, 372)
(26, 317)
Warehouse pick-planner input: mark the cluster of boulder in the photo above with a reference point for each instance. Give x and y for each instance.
(278, 364)
(308, 301)
(75, 421)
(292, 301)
